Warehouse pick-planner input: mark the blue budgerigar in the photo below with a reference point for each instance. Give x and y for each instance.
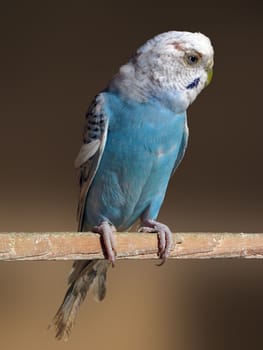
(135, 136)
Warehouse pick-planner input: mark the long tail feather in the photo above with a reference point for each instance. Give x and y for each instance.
(84, 274)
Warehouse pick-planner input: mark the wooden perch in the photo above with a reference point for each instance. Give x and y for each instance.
(85, 245)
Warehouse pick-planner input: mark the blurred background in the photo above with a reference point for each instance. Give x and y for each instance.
(55, 56)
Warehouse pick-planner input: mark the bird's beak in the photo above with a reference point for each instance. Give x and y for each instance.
(209, 73)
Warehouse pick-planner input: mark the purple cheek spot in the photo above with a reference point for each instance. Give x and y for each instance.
(193, 84)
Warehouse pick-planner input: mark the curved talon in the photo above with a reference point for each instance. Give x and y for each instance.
(161, 243)
(164, 236)
(107, 239)
(161, 263)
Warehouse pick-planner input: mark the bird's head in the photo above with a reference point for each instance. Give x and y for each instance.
(178, 64)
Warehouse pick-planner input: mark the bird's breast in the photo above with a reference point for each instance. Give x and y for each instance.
(146, 127)
(142, 145)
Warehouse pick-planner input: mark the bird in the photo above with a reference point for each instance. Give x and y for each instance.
(135, 136)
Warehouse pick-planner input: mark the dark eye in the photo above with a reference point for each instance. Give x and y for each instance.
(192, 59)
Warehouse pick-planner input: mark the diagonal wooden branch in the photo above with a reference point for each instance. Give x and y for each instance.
(85, 245)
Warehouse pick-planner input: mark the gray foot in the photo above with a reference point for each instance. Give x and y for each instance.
(164, 236)
(108, 240)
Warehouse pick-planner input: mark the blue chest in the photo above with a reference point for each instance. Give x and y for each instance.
(143, 145)
(140, 130)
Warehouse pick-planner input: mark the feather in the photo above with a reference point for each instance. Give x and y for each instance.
(87, 150)
(99, 283)
(88, 159)
(83, 276)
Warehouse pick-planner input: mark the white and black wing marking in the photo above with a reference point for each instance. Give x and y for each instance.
(88, 159)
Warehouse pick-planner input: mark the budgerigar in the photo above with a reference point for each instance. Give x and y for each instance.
(135, 136)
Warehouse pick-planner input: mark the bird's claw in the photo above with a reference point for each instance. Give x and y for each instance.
(164, 236)
(107, 240)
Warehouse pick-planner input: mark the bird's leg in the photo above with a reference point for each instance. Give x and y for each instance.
(164, 236)
(107, 240)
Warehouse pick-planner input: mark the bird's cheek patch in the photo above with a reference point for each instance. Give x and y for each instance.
(193, 84)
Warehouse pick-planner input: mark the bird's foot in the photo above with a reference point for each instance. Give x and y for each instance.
(107, 240)
(164, 236)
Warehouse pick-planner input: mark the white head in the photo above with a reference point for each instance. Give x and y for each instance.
(177, 65)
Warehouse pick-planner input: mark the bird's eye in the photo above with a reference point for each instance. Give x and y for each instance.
(192, 59)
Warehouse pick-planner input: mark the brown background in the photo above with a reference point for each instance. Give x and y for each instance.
(54, 58)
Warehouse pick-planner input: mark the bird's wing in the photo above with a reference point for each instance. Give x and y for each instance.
(182, 148)
(88, 159)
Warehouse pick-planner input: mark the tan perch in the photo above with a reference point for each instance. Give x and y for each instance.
(85, 245)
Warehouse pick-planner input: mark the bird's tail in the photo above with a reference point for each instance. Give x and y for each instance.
(84, 274)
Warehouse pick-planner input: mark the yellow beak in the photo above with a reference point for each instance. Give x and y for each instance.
(209, 72)
(209, 76)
